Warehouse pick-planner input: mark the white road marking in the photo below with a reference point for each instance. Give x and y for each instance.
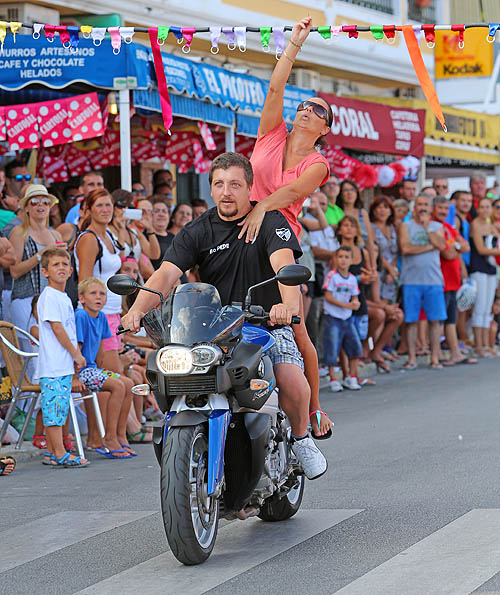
(239, 547)
(454, 560)
(51, 533)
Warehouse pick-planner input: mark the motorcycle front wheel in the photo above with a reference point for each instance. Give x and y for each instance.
(190, 515)
(275, 509)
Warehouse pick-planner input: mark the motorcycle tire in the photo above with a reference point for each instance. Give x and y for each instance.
(183, 489)
(279, 509)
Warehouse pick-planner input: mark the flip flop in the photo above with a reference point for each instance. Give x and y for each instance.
(318, 414)
(5, 462)
(409, 367)
(436, 366)
(110, 454)
(132, 452)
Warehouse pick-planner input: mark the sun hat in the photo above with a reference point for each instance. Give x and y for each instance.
(34, 190)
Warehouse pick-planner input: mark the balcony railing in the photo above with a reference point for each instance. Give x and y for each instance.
(386, 6)
(421, 14)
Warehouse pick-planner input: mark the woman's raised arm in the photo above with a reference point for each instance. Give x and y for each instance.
(272, 113)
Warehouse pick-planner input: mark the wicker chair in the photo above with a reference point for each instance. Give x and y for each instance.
(16, 362)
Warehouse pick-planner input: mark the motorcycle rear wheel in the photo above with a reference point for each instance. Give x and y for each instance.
(190, 516)
(284, 508)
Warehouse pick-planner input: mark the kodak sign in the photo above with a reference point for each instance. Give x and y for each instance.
(475, 59)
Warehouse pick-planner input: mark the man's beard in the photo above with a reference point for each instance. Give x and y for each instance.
(225, 212)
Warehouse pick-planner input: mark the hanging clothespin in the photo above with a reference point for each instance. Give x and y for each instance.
(127, 33)
(352, 30)
(63, 35)
(116, 39)
(187, 34)
(325, 32)
(215, 33)
(86, 31)
(14, 28)
(241, 38)
(74, 36)
(279, 40)
(390, 33)
(178, 34)
(229, 33)
(417, 31)
(37, 27)
(492, 29)
(377, 32)
(163, 34)
(430, 35)
(461, 31)
(265, 37)
(50, 31)
(335, 29)
(98, 34)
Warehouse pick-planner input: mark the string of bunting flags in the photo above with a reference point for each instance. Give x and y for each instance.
(236, 37)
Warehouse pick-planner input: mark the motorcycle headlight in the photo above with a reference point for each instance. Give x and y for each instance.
(205, 355)
(175, 360)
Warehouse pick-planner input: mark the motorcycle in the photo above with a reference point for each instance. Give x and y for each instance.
(225, 446)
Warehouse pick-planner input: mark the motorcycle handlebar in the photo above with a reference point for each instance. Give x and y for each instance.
(295, 319)
(121, 330)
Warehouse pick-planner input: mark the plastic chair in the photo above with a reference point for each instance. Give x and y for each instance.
(16, 362)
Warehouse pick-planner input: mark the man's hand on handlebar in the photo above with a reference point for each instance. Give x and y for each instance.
(281, 314)
(132, 321)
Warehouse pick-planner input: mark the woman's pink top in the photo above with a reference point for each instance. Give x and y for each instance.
(267, 163)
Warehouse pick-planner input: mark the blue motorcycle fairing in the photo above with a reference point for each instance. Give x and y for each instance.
(257, 334)
(218, 423)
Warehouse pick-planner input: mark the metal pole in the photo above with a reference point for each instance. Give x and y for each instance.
(230, 144)
(125, 156)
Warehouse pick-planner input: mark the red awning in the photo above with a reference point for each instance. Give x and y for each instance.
(370, 126)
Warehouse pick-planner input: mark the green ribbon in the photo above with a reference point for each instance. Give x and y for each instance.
(325, 32)
(377, 31)
(163, 33)
(265, 36)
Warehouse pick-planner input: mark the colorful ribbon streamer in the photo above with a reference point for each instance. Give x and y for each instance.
(178, 33)
(430, 35)
(422, 74)
(279, 39)
(265, 37)
(351, 29)
(14, 27)
(215, 33)
(166, 106)
(187, 33)
(63, 35)
(37, 27)
(336, 29)
(377, 32)
(241, 38)
(3, 33)
(461, 31)
(97, 34)
(163, 34)
(229, 33)
(390, 33)
(50, 31)
(127, 34)
(325, 32)
(74, 36)
(493, 28)
(417, 30)
(86, 31)
(116, 39)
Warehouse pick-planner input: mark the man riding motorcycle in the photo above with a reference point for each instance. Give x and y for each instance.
(232, 265)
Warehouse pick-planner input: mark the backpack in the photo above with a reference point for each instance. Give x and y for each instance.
(72, 282)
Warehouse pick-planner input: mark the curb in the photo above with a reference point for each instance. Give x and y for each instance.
(26, 453)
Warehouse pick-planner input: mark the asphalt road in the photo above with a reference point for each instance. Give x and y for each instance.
(410, 504)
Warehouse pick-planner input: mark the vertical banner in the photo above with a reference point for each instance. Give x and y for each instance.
(22, 127)
(84, 117)
(3, 134)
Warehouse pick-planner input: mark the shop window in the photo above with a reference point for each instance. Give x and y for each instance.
(386, 6)
(422, 11)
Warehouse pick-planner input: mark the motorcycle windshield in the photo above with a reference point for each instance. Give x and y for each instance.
(192, 313)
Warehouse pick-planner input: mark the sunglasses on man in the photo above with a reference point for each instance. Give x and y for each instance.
(142, 191)
(19, 177)
(318, 109)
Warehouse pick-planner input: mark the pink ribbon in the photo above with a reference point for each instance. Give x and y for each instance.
(166, 106)
(187, 33)
(63, 34)
(116, 39)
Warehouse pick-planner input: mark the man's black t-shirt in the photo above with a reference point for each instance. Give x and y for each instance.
(230, 264)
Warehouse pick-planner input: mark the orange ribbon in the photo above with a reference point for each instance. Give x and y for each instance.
(422, 74)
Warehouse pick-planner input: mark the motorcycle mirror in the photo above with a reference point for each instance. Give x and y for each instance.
(293, 274)
(123, 284)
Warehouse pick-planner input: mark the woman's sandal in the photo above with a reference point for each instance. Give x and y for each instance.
(68, 444)
(318, 413)
(382, 367)
(47, 458)
(5, 463)
(132, 437)
(39, 441)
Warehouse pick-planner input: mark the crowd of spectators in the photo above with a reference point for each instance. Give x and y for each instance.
(384, 284)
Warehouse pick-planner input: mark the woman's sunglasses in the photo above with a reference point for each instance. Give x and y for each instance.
(120, 204)
(318, 109)
(37, 201)
(19, 177)
(142, 191)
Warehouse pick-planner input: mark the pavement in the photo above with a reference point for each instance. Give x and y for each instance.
(410, 505)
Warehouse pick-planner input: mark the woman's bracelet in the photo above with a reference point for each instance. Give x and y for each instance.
(148, 234)
(287, 56)
(297, 45)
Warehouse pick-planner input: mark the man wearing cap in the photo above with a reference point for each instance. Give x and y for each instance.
(30, 240)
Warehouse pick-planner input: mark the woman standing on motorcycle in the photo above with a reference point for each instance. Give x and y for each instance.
(287, 169)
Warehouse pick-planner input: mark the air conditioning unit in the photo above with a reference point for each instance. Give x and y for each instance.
(307, 79)
(28, 13)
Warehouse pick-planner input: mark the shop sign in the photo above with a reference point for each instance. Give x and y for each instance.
(369, 126)
(475, 59)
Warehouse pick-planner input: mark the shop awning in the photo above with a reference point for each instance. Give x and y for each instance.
(31, 61)
(370, 126)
